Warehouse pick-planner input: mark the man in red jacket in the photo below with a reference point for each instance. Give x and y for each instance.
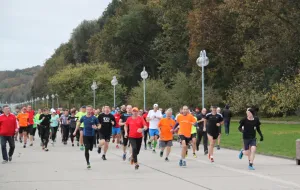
(8, 127)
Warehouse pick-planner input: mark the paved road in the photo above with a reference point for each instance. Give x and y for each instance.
(64, 168)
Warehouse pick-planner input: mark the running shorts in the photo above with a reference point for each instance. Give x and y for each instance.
(248, 143)
(88, 142)
(116, 130)
(220, 129)
(214, 135)
(23, 129)
(106, 137)
(153, 132)
(164, 144)
(184, 138)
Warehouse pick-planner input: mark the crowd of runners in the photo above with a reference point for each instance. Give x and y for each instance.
(128, 128)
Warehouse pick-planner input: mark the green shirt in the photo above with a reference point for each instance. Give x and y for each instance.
(36, 120)
(194, 128)
(79, 115)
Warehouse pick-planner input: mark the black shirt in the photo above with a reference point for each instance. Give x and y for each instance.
(73, 121)
(46, 121)
(124, 118)
(250, 127)
(226, 114)
(211, 124)
(105, 121)
(200, 124)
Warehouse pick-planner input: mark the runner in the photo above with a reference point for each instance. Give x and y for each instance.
(165, 126)
(97, 137)
(36, 118)
(116, 129)
(134, 127)
(54, 125)
(30, 125)
(227, 117)
(248, 126)
(212, 123)
(8, 127)
(185, 122)
(201, 131)
(220, 130)
(65, 125)
(90, 124)
(73, 120)
(17, 111)
(153, 118)
(123, 109)
(23, 119)
(146, 132)
(79, 115)
(194, 138)
(106, 120)
(122, 122)
(45, 128)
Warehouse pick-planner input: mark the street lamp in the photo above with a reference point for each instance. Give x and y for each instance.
(52, 96)
(114, 82)
(57, 100)
(144, 76)
(202, 61)
(94, 87)
(47, 98)
(43, 101)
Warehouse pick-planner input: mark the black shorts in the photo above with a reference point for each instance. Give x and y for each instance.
(106, 137)
(213, 134)
(184, 138)
(220, 129)
(248, 143)
(125, 140)
(23, 129)
(164, 144)
(88, 142)
(80, 128)
(30, 129)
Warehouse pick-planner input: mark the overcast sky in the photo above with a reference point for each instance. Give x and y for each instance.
(30, 30)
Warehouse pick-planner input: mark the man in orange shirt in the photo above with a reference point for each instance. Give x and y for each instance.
(165, 127)
(23, 119)
(30, 125)
(186, 122)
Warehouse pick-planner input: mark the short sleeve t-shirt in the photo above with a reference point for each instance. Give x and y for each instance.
(117, 118)
(46, 120)
(79, 115)
(105, 121)
(154, 118)
(73, 121)
(212, 121)
(145, 118)
(23, 119)
(185, 122)
(194, 128)
(88, 125)
(53, 120)
(250, 127)
(30, 117)
(134, 125)
(64, 119)
(124, 118)
(166, 125)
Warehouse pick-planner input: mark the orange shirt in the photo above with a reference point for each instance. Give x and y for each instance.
(165, 125)
(23, 119)
(186, 123)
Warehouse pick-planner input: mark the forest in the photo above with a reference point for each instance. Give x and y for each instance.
(252, 45)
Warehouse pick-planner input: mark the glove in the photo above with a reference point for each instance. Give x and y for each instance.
(261, 138)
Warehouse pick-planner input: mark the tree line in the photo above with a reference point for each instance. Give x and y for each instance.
(253, 48)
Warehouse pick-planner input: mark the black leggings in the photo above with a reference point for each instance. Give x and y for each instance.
(146, 132)
(88, 143)
(65, 129)
(201, 134)
(44, 132)
(71, 134)
(54, 131)
(136, 144)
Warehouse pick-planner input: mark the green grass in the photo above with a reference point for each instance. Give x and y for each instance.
(279, 139)
(288, 118)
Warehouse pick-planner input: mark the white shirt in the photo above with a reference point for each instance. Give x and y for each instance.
(153, 122)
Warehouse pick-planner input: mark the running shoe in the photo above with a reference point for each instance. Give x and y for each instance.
(251, 168)
(212, 160)
(205, 152)
(241, 154)
(167, 159)
(24, 146)
(149, 145)
(77, 143)
(103, 157)
(72, 144)
(194, 155)
(136, 167)
(20, 140)
(99, 150)
(117, 146)
(124, 156)
(218, 147)
(4, 162)
(46, 149)
(131, 161)
(184, 163)
(161, 154)
(88, 166)
(10, 159)
(31, 144)
(81, 147)
(180, 163)
(153, 151)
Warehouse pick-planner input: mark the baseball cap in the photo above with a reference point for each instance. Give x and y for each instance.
(135, 109)
(155, 105)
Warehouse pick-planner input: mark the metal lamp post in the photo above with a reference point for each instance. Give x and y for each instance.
(43, 101)
(47, 98)
(57, 100)
(94, 87)
(144, 76)
(37, 100)
(52, 96)
(202, 61)
(114, 82)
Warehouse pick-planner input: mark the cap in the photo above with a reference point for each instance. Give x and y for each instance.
(155, 105)
(83, 106)
(53, 110)
(135, 109)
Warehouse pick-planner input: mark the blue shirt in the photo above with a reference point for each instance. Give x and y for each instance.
(173, 117)
(54, 121)
(88, 125)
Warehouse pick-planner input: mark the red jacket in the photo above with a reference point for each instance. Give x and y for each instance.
(8, 125)
(31, 116)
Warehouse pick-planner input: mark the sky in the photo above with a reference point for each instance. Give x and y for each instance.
(32, 29)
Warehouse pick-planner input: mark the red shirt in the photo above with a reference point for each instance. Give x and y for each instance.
(134, 125)
(30, 117)
(8, 125)
(117, 118)
(145, 116)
